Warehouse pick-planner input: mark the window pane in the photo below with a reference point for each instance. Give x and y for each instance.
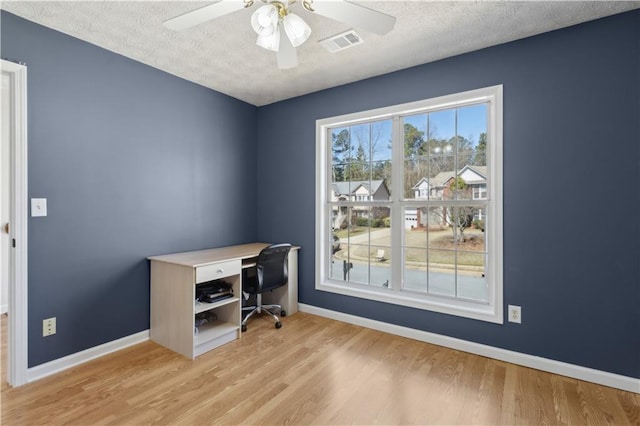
(471, 143)
(415, 269)
(340, 145)
(339, 184)
(340, 261)
(471, 276)
(360, 154)
(380, 141)
(442, 147)
(415, 250)
(359, 266)
(362, 246)
(380, 266)
(418, 182)
(442, 273)
(472, 125)
(471, 254)
(415, 135)
(381, 180)
(415, 145)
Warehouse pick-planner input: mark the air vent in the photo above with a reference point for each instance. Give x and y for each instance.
(341, 41)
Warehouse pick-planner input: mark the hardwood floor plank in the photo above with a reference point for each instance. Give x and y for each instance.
(311, 371)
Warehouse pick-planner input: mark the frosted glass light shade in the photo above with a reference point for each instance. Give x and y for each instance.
(264, 21)
(297, 30)
(270, 41)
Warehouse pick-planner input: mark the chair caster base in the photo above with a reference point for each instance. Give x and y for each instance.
(283, 313)
(278, 324)
(243, 327)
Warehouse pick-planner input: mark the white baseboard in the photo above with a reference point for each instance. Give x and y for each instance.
(69, 361)
(562, 368)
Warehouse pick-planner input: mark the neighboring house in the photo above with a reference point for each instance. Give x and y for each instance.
(437, 188)
(360, 190)
(357, 190)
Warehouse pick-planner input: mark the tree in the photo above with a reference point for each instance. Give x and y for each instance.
(463, 148)
(414, 145)
(481, 151)
(341, 150)
(461, 217)
(366, 142)
(415, 167)
(381, 170)
(359, 165)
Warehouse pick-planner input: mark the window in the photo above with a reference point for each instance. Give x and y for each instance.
(409, 204)
(480, 192)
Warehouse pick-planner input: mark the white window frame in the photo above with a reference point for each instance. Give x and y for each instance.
(492, 310)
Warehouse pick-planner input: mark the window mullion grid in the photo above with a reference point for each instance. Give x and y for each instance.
(398, 204)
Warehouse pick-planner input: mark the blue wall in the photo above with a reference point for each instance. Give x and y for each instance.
(136, 162)
(133, 162)
(571, 204)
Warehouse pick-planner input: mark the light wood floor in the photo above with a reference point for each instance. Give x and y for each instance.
(311, 371)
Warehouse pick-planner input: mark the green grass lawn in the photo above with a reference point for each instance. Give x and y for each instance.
(345, 233)
(420, 245)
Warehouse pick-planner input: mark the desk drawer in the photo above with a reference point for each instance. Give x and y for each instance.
(217, 270)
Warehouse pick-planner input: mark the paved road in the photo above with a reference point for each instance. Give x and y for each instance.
(444, 283)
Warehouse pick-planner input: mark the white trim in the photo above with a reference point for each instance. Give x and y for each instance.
(604, 378)
(493, 309)
(17, 327)
(70, 361)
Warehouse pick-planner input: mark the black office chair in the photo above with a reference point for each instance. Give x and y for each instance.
(271, 272)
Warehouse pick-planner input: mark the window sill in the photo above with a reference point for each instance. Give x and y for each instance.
(478, 311)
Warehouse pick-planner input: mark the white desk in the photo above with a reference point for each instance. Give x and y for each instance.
(173, 281)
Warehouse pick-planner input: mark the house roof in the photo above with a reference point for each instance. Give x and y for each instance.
(481, 171)
(441, 178)
(349, 187)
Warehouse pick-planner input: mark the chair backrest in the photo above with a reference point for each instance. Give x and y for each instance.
(272, 267)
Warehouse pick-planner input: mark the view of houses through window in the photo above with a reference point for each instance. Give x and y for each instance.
(430, 169)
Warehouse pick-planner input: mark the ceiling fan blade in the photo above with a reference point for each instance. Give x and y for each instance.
(204, 14)
(355, 15)
(287, 55)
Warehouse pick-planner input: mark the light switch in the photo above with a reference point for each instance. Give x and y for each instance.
(38, 207)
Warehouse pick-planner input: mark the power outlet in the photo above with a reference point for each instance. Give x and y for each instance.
(49, 326)
(515, 314)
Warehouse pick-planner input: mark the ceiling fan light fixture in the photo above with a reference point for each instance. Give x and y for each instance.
(281, 31)
(270, 41)
(297, 30)
(264, 21)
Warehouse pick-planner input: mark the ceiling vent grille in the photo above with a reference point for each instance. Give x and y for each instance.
(342, 41)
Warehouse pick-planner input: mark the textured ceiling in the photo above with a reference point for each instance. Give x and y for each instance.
(222, 55)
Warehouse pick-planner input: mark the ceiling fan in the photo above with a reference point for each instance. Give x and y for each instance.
(282, 31)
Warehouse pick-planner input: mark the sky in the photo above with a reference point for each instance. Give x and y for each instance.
(471, 122)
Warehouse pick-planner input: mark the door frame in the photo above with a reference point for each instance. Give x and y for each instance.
(17, 355)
